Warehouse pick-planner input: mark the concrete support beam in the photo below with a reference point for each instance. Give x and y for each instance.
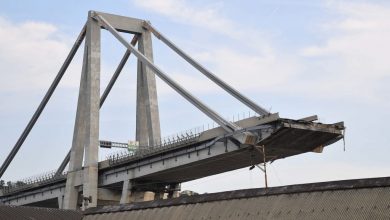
(126, 192)
(77, 150)
(92, 116)
(148, 121)
(86, 131)
(61, 202)
(124, 24)
(141, 133)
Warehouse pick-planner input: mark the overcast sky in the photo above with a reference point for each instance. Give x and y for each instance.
(329, 58)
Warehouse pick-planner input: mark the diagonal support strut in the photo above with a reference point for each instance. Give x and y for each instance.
(258, 109)
(228, 126)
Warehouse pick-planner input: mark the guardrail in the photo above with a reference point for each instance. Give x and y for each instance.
(29, 182)
(171, 141)
(141, 152)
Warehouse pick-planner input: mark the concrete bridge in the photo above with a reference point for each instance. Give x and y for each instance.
(161, 169)
(156, 169)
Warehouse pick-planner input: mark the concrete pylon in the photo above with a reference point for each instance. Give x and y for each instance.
(83, 179)
(91, 158)
(86, 131)
(148, 121)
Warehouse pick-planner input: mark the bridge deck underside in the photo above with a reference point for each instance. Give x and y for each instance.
(284, 142)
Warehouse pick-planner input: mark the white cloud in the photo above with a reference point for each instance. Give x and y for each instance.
(180, 11)
(210, 18)
(358, 46)
(31, 54)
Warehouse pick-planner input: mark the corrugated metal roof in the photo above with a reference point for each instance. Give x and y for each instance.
(32, 213)
(351, 199)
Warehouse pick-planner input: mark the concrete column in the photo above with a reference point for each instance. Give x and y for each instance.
(126, 192)
(77, 150)
(148, 120)
(141, 133)
(90, 179)
(61, 202)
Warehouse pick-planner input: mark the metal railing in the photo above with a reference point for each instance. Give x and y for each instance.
(29, 182)
(171, 141)
(142, 151)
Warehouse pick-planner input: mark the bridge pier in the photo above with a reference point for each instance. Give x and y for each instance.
(126, 192)
(61, 202)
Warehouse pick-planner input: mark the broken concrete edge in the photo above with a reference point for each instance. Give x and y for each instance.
(248, 193)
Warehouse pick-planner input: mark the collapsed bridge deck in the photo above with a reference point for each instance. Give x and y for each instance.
(210, 152)
(215, 153)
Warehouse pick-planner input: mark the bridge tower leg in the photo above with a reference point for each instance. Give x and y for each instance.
(86, 131)
(147, 119)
